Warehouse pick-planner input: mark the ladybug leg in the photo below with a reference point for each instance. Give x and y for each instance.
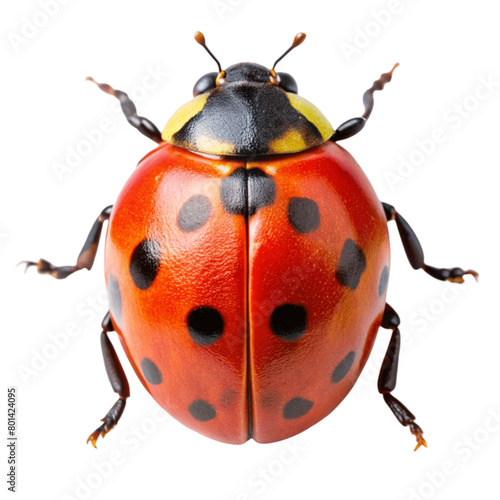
(388, 376)
(354, 125)
(117, 379)
(415, 253)
(143, 125)
(85, 258)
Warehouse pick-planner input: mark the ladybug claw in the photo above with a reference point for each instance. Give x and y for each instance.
(27, 264)
(93, 439)
(420, 442)
(419, 434)
(42, 266)
(100, 431)
(459, 277)
(473, 273)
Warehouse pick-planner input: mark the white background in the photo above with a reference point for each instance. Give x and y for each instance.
(449, 372)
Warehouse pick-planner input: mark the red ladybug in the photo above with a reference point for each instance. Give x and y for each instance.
(247, 261)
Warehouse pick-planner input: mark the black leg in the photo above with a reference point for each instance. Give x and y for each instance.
(85, 258)
(388, 376)
(354, 125)
(415, 253)
(117, 379)
(143, 125)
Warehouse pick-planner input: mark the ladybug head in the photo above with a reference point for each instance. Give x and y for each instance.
(247, 110)
(246, 72)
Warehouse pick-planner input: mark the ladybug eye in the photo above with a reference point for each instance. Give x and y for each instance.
(287, 82)
(205, 83)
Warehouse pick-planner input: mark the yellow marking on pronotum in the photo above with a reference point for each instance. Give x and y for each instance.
(290, 142)
(183, 115)
(213, 146)
(312, 113)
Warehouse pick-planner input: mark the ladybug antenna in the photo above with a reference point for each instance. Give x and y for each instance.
(299, 38)
(200, 38)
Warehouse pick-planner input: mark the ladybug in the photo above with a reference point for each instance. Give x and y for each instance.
(247, 262)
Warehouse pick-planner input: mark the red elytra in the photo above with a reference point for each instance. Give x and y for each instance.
(300, 300)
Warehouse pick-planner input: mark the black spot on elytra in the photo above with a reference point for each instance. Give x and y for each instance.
(233, 192)
(151, 372)
(194, 213)
(296, 408)
(205, 325)
(382, 284)
(342, 369)
(288, 321)
(303, 214)
(115, 300)
(145, 263)
(351, 265)
(244, 191)
(202, 411)
(261, 190)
